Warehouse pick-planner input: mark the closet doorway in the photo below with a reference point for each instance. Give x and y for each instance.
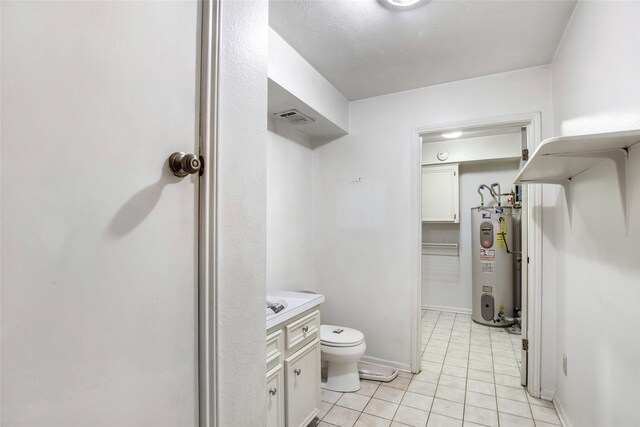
(453, 164)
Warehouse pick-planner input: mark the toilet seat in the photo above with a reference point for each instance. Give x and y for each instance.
(338, 336)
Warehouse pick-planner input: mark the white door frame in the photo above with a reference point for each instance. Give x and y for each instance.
(532, 241)
(207, 233)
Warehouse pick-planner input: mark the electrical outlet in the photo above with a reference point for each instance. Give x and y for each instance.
(564, 364)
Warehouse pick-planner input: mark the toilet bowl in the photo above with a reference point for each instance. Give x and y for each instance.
(341, 348)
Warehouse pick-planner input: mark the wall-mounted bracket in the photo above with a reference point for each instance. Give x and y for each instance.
(619, 157)
(558, 160)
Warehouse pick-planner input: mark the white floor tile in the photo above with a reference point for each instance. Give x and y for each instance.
(481, 400)
(389, 394)
(433, 357)
(511, 393)
(427, 376)
(381, 408)
(341, 417)
(435, 349)
(480, 357)
(514, 407)
(480, 349)
(507, 420)
(450, 393)
(469, 372)
(353, 401)
(447, 408)
(438, 343)
(367, 420)
(543, 424)
(506, 370)
(481, 416)
(330, 396)
(480, 366)
(411, 416)
(481, 387)
(480, 375)
(456, 361)
(323, 409)
(548, 415)
(416, 400)
(458, 346)
(437, 420)
(422, 387)
(399, 382)
(458, 353)
(431, 366)
(456, 371)
(452, 381)
(508, 380)
(367, 388)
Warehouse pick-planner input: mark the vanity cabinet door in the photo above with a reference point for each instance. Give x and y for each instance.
(302, 375)
(275, 398)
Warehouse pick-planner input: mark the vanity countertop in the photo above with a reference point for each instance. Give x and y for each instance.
(296, 303)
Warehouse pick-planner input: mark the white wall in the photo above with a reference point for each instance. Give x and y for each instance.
(596, 276)
(469, 149)
(446, 280)
(289, 214)
(293, 73)
(363, 230)
(241, 207)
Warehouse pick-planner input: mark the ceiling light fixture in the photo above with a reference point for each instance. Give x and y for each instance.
(404, 4)
(452, 135)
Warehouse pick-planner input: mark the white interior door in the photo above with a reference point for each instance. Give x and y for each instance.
(98, 238)
(524, 273)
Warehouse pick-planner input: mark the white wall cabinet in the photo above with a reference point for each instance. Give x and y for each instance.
(293, 371)
(440, 193)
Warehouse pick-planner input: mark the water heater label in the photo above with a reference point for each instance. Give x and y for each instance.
(487, 254)
(486, 215)
(502, 234)
(487, 266)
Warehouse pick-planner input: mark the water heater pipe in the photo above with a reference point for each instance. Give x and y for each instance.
(497, 193)
(490, 192)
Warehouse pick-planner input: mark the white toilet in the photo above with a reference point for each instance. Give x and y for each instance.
(341, 348)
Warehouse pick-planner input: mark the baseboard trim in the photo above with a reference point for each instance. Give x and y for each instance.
(447, 309)
(376, 360)
(562, 413)
(547, 394)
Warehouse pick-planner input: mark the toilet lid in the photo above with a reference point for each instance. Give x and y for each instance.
(339, 336)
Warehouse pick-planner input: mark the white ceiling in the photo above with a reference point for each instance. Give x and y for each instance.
(366, 49)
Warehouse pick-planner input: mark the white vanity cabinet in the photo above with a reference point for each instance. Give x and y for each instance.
(275, 402)
(293, 371)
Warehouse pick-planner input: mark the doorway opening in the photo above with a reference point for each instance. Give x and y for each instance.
(464, 172)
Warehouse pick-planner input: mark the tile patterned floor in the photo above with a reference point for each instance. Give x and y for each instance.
(470, 377)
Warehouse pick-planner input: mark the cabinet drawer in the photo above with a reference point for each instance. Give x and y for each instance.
(274, 349)
(303, 328)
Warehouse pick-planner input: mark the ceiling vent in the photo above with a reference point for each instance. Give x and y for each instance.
(294, 117)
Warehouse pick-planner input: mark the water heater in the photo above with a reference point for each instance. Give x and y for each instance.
(495, 266)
